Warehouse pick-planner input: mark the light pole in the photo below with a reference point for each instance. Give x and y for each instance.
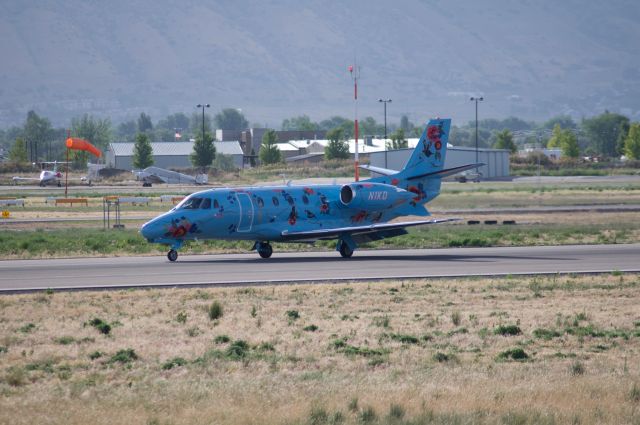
(385, 101)
(203, 106)
(477, 99)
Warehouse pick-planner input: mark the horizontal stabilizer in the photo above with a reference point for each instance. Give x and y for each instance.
(378, 170)
(448, 172)
(356, 230)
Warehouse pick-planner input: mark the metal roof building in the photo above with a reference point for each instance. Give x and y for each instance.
(496, 160)
(167, 154)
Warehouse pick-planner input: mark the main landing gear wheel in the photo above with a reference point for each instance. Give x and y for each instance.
(345, 251)
(172, 255)
(265, 250)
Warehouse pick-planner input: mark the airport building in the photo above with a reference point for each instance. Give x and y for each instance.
(496, 160)
(168, 154)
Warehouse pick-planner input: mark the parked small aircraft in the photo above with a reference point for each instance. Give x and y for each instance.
(152, 175)
(46, 176)
(353, 213)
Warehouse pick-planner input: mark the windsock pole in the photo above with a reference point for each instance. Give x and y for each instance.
(66, 174)
(355, 73)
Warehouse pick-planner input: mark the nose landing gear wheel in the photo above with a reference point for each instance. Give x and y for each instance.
(345, 251)
(265, 250)
(172, 255)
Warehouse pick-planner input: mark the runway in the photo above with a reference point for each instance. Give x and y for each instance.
(238, 269)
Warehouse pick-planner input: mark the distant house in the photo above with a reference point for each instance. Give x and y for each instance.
(167, 154)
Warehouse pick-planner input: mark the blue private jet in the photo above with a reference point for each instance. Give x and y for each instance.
(353, 213)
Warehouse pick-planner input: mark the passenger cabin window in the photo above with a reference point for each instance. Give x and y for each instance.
(260, 202)
(305, 199)
(192, 204)
(206, 204)
(275, 201)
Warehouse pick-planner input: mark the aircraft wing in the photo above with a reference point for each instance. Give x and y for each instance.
(26, 179)
(376, 231)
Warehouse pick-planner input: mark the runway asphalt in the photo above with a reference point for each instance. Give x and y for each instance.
(238, 269)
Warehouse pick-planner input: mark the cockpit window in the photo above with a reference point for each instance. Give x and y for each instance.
(191, 204)
(216, 205)
(206, 204)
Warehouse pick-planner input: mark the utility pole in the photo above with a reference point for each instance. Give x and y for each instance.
(477, 99)
(355, 74)
(385, 101)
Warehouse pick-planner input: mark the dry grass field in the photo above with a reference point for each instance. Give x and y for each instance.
(515, 350)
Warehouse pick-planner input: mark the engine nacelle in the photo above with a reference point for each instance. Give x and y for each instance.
(373, 196)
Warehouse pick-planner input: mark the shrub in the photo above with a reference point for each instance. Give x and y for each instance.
(215, 311)
(27, 328)
(100, 325)
(577, 368)
(181, 317)
(65, 340)
(237, 350)
(15, 377)
(194, 331)
(310, 328)
(396, 412)
(506, 330)
(174, 362)
(456, 318)
(546, 334)
(405, 339)
(221, 339)
(95, 355)
(353, 405)
(441, 357)
(382, 322)
(292, 314)
(368, 415)
(124, 356)
(3, 349)
(318, 416)
(517, 354)
(634, 393)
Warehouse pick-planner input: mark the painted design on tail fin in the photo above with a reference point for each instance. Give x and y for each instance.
(431, 150)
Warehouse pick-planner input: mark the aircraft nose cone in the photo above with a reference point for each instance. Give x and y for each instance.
(149, 230)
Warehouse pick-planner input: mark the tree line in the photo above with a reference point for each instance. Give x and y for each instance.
(606, 135)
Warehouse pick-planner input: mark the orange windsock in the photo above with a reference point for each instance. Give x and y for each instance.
(83, 145)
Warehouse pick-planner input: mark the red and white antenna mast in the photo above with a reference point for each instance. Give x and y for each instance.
(355, 74)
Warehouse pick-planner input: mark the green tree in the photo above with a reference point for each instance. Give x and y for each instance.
(565, 140)
(603, 132)
(173, 121)
(126, 131)
(37, 132)
(398, 140)
(405, 124)
(301, 123)
(142, 152)
(337, 148)
(269, 152)
(370, 127)
(569, 144)
(204, 151)
(144, 123)
(18, 152)
(224, 162)
(95, 130)
(565, 121)
(556, 137)
(632, 142)
(504, 140)
(336, 121)
(231, 119)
